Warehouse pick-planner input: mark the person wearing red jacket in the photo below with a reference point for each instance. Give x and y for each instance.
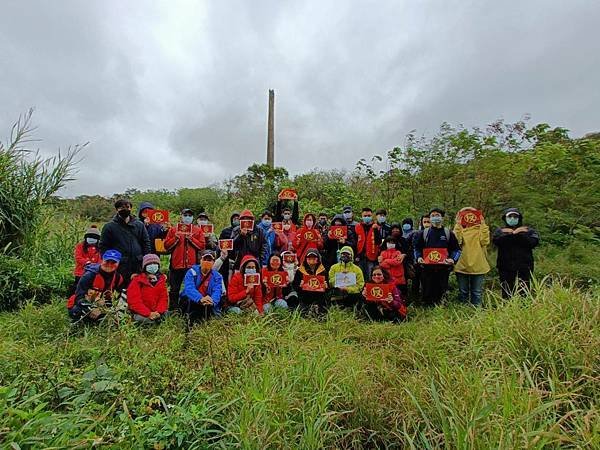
(85, 252)
(241, 297)
(392, 260)
(368, 240)
(307, 237)
(147, 296)
(184, 249)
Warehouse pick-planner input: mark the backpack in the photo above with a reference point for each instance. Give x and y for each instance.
(426, 234)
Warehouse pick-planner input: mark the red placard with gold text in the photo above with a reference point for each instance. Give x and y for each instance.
(247, 224)
(277, 226)
(208, 228)
(338, 232)
(158, 216)
(311, 235)
(275, 278)
(288, 194)
(251, 279)
(226, 244)
(435, 255)
(184, 228)
(376, 292)
(313, 283)
(470, 217)
(290, 258)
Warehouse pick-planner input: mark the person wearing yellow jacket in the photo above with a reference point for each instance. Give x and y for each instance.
(344, 294)
(473, 264)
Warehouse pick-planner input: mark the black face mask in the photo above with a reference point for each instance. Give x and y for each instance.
(345, 259)
(124, 213)
(323, 221)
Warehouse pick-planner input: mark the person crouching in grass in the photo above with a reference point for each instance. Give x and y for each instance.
(392, 307)
(241, 296)
(202, 290)
(96, 288)
(347, 279)
(147, 296)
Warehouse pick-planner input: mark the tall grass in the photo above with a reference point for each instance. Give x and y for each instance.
(523, 373)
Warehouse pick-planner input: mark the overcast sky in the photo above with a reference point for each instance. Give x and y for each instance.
(174, 94)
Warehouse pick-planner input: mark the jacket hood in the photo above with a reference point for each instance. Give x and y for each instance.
(306, 216)
(245, 260)
(515, 210)
(339, 217)
(347, 249)
(143, 206)
(233, 214)
(247, 213)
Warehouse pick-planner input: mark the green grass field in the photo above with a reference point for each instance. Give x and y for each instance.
(521, 374)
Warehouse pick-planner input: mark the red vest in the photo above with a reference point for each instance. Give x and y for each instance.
(366, 243)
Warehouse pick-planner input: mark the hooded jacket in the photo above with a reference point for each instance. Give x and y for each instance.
(305, 269)
(473, 242)
(184, 249)
(391, 263)
(131, 239)
(84, 257)
(254, 243)
(236, 291)
(270, 237)
(155, 230)
(349, 267)
(332, 245)
(195, 286)
(307, 238)
(144, 298)
(515, 251)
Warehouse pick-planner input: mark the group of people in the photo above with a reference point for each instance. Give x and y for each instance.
(277, 261)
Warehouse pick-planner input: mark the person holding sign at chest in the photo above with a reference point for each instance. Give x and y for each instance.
(248, 239)
(310, 282)
(183, 242)
(275, 284)
(382, 298)
(307, 237)
(245, 290)
(347, 279)
(437, 250)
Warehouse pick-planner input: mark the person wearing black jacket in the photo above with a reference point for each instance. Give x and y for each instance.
(284, 212)
(127, 234)
(333, 245)
(249, 242)
(515, 244)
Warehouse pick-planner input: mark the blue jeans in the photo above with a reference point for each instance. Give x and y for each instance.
(470, 284)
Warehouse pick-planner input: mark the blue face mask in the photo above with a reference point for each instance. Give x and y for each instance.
(152, 269)
(266, 222)
(512, 221)
(407, 227)
(91, 241)
(367, 219)
(250, 270)
(348, 215)
(436, 220)
(381, 219)
(187, 219)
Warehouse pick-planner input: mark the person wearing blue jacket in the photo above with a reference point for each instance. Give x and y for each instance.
(265, 224)
(155, 230)
(202, 289)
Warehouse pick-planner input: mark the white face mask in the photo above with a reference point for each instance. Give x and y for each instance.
(152, 269)
(91, 241)
(202, 222)
(390, 245)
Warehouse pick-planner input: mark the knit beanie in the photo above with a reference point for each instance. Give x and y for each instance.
(149, 259)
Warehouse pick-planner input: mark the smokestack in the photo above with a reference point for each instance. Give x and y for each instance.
(271, 131)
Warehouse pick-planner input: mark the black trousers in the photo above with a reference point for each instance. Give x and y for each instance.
(514, 282)
(434, 280)
(195, 312)
(176, 277)
(309, 302)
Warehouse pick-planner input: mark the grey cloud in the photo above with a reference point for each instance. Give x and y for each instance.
(173, 95)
